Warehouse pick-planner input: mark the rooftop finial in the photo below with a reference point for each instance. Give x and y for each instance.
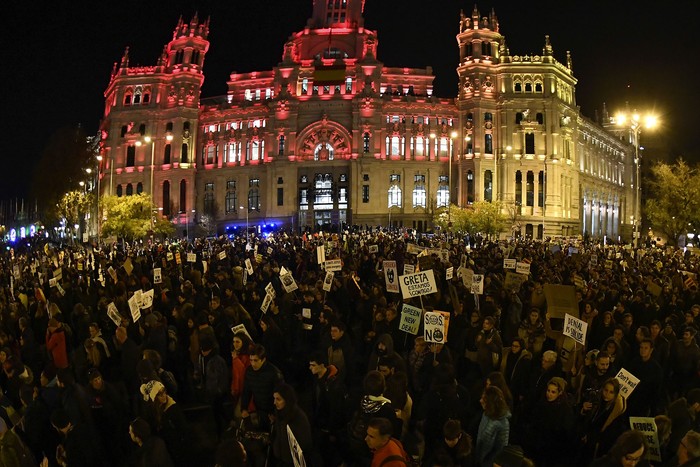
(569, 63)
(547, 46)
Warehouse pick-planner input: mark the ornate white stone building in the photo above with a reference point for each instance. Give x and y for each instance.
(330, 136)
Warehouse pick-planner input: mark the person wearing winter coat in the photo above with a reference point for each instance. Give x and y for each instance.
(603, 422)
(384, 347)
(494, 428)
(289, 415)
(56, 344)
(515, 366)
(488, 347)
(151, 450)
(455, 448)
(261, 378)
(550, 429)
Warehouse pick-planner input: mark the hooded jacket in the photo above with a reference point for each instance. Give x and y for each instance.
(376, 354)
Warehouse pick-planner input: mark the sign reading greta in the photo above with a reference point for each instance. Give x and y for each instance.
(419, 283)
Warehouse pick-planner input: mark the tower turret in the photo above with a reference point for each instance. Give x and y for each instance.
(337, 13)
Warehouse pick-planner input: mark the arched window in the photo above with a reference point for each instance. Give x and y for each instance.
(183, 196)
(183, 155)
(395, 196)
(166, 198)
(129, 189)
(139, 188)
(419, 196)
(130, 156)
(323, 152)
(119, 191)
(166, 153)
(488, 185)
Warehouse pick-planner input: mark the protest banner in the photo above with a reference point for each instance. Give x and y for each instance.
(628, 382)
(333, 265)
(513, 281)
(477, 286)
(321, 254)
(522, 268)
(647, 425)
(413, 249)
(249, 266)
(561, 299)
(135, 307)
(328, 281)
(191, 257)
(147, 299)
(410, 319)
(575, 328)
(113, 314)
(295, 449)
(409, 269)
(449, 273)
(434, 327)
(391, 276)
(418, 283)
(509, 263)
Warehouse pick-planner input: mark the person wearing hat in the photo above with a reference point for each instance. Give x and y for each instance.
(79, 446)
(170, 423)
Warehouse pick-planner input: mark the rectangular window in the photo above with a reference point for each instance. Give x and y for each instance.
(488, 143)
(419, 179)
(280, 196)
(348, 85)
(365, 193)
(305, 86)
(248, 95)
(530, 189)
(257, 94)
(529, 143)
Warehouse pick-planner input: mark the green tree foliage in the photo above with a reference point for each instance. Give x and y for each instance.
(674, 200)
(61, 167)
(128, 217)
(74, 205)
(484, 217)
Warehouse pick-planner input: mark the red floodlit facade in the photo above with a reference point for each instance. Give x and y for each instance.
(331, 136)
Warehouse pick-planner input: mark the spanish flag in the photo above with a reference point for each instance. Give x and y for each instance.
(329, 75)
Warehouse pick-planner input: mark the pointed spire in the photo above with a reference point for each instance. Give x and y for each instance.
(503, 50)
(569, 63)
(493, 20)
(547, 46)
(125, 59)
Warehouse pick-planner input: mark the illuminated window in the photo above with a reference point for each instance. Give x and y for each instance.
(323, 152)
(257, 94)
(365, 142)
(280, 146)
(488, 143)
(419, 196)
(394, 178)
(248, 95)
(443, 193)
(488, 185)
(348, 85)
(305, 86)
(394, 196)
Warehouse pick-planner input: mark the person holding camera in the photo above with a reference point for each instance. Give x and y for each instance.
(602, 420)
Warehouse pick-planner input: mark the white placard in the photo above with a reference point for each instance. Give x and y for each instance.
(241, 328)
(169, 256)
(283, 271)
(467, 277)
(575, 328)
(391, 276)
(191, 257)
(306, 313)
(409, 268)
(295, 449)
(147, 299)
(434, 327)
(112, 273)
(647, 425)
(321, 254)
(449, 273)
(477, 284)
(266, 303)
(270, 290)
(374, 249)
(135, 308)
(522, 268)
(157, 276)
(249, 266)
(85, 237)
(328, 281)
(52, 282)
(628, 382)
(509, 263)
(410, 319)
(113, 314)
(288, 282)
(418, 283)
(333, 265)
(222, 255)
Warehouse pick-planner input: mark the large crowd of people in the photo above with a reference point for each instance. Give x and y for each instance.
(109, 352)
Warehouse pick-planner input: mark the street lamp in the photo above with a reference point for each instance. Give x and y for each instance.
(635, 122)
(246, 224)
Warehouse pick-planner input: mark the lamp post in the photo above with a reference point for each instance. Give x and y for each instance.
(247, 229)
(635, 123)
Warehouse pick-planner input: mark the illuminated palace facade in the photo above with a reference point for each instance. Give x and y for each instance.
(333, 137)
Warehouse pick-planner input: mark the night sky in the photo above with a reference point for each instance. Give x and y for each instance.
(58, 56)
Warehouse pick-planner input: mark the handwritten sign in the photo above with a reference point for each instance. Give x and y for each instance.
(522, 268)
(147, 299)
(409, 268)
(449, 273)
(266, 303)
(191, 257)
(575, 328)
(561, 299)
(135, 307)
(249, 266)
(647, 425)
(418, 283)
(410, 319)
(288, 283)
(333, 265)
(113, 314)
(628, 382)
(222, 255)
(434, 327)
(321, 254)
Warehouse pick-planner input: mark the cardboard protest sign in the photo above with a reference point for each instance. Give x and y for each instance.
(647, 425)
(522, 268)
(426, 262)
(222, 255)
(147, 299)
(288, 283)
(391, 276)
(205, 266)
(561, 299)
(53, 282)
(157, 276)
(135, 308)
(270, 290)
(178, 258)
(334, 265)
(169, 256)
(85, 237)
(112, 273)
(191, 257)
(245, 276)
(434, 328)
(418, 283)
(328, 281)
(409, 269)
(513, 281)
(295, 449)
(449, 273)
(283, 271)
(58, 274)
(628, 382)
(575, 328)
(413, 249)
(410, 319)
(249, 266)
(60, 289)
(113, 314)
(509, 263)
(477, 286)
(654, 289)
(266, 303)
(321, 254)
(241, 328)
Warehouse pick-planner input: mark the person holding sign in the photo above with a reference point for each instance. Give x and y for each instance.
(603, 422)
(288, 414)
